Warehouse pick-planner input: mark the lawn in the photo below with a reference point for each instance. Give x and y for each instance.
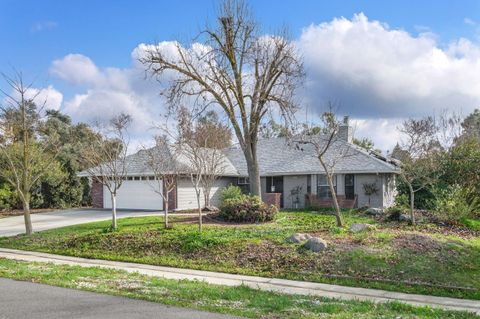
(426, 259)
(241, 301)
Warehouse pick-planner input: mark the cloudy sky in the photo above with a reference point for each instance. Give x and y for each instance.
(381, 61)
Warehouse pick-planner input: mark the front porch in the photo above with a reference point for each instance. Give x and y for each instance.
(313, 200)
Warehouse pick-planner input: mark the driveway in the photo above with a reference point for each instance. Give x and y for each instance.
(11, 226)
(29, 300)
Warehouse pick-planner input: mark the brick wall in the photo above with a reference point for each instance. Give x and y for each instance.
(273, 199)
(97, 194)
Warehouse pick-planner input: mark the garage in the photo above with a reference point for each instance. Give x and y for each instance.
(135, 194)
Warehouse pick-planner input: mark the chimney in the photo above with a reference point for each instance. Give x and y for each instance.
(345, 131)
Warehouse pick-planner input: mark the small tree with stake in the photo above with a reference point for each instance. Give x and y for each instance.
(107, 157)
(322, 138)
(163, 166)
(205, 165)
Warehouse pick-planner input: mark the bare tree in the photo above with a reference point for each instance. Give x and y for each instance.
(26, 153)
(328, 148)
(107, 157)
(205, 165)
(162, 163)
(418, 156)
(235, 67)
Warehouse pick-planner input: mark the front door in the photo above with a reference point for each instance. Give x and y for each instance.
(349, 186)
(275, 185)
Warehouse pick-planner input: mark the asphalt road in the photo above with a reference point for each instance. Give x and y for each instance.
(11, 226)
(20, 299)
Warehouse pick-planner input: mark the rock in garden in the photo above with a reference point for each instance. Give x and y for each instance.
(316, 244)
(404, 218)
(298, 238)
(374, 211)
(355, 228)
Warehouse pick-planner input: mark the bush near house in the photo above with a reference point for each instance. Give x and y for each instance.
(247, 209)
(240, 208)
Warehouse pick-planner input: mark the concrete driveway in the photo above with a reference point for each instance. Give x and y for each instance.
(11, 226)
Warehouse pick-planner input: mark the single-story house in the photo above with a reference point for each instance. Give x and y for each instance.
(291, 177)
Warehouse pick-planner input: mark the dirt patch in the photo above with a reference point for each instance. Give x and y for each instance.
(417, 243)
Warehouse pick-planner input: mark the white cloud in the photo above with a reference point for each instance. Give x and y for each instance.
(376, 71)
(108, 92)
(379, 76)
(44, 25)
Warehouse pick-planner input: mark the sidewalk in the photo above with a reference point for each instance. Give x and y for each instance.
(269, 284)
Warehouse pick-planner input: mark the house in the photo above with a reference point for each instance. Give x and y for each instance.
(290, 177)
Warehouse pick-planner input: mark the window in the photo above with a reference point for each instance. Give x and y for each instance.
(129, 178)
(323, 190)
(243, 181)
(151, 178)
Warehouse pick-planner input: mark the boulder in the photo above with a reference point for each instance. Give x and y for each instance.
(404, 218)
(374, 211)
(316, 244)
(298, 238)
(211, 209)
(355, 228)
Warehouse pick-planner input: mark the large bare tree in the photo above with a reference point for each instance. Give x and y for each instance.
(162, 164)
(26, 153)
(236, 68)
(106, 157)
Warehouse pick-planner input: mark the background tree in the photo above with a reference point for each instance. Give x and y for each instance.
(27, 154)
(106, 157)
(71, 190)
(211, 132)
(418, 153)
(235, 67)
(162, 164)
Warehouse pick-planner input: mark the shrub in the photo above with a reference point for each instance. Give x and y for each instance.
(231, 192)
(6, 198)
(246, 208)
(393, 213)
(454, 203)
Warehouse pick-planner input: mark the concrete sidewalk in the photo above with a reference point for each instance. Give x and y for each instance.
(269, 284)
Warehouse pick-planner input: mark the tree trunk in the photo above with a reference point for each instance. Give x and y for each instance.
(27, 218)
(206, 195)
(199, 213)
(166, 210)
(253, 170)
(338, 213)
(412, 204)
(114, 211)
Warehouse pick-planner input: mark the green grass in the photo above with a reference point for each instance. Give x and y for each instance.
(414, 259)
(240, 301)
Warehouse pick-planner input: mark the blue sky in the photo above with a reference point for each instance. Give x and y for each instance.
(36, 33)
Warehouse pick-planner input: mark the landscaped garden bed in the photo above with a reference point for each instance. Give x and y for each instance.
(426, 258)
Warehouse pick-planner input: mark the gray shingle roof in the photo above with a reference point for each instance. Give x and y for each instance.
(277, 157)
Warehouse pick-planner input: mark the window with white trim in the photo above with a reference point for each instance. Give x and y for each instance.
(323, 189)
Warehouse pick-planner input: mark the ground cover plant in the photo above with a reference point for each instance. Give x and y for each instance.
(241, 301)
(425, 258)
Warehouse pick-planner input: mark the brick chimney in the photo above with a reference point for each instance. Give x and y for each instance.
(345, 131)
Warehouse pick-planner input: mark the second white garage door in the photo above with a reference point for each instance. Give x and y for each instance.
(135, 195)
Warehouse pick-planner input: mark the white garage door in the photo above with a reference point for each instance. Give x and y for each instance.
(135, 195)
